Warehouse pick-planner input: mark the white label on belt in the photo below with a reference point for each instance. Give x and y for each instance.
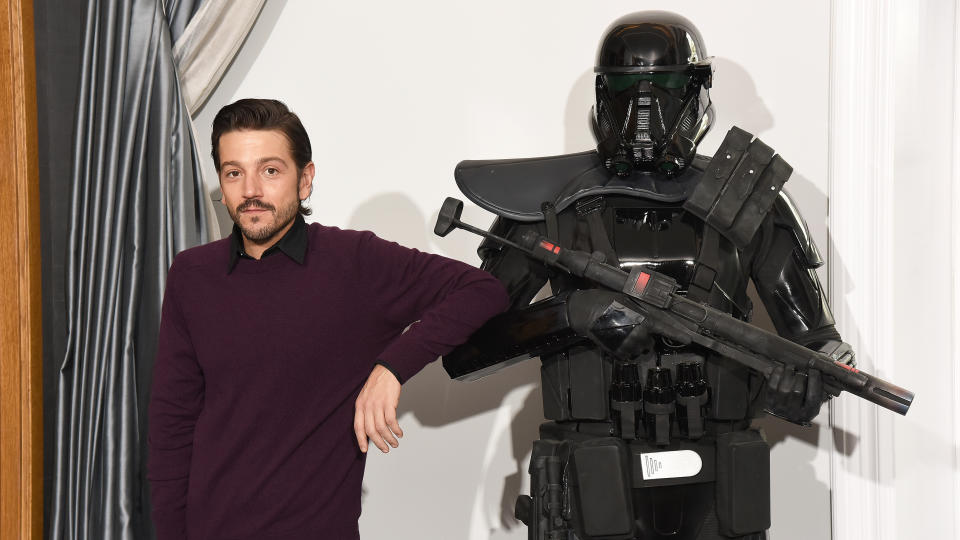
(673, 464)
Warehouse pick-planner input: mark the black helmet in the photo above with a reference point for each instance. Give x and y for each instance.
(653, 100)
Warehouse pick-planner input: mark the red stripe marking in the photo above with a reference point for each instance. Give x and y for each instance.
(641, 283)
(846, 367)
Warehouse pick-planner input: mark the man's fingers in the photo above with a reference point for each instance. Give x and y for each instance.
(383, 430)
(370, 424)
(390, 415)
(358, 429)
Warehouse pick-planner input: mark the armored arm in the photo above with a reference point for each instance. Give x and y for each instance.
(525, 329)
(784, 271)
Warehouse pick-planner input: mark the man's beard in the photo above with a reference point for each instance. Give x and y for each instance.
(261, 231)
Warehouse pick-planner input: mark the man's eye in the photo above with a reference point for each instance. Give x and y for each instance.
(272, 171)
(232, 174)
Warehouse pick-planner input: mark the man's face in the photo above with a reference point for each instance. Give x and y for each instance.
(261, 186)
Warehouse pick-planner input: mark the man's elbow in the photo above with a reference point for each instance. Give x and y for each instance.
(495, 294)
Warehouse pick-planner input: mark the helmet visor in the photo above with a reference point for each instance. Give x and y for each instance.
(671, 80)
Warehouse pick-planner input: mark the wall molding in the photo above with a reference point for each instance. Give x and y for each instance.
(955, 267)
(860, 190)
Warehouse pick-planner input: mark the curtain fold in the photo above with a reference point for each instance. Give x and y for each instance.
(209, 43)
(137, 199)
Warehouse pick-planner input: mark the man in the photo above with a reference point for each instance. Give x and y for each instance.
(281, 345)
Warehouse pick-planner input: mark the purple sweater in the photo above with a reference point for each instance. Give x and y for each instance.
(251, 412)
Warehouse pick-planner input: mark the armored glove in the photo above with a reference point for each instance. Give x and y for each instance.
(797, 396)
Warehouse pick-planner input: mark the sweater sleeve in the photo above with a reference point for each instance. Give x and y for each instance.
(442, 300)
(175, 403)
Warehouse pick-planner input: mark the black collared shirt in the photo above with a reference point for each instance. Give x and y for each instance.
(293, 244)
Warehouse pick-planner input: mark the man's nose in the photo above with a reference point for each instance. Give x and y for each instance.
(251, 187)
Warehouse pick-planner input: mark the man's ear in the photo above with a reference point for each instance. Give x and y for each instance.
(305, 186)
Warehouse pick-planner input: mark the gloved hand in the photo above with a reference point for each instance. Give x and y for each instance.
(797, 396)
(793, 395)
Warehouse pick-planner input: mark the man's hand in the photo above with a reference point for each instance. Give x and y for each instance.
(376, 411)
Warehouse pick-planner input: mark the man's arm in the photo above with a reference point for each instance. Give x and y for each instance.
(442, 300)
(175, 403)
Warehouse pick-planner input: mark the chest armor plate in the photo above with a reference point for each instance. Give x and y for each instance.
(664, 239)
(668, 239)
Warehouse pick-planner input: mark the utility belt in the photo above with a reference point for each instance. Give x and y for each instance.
(596, 486)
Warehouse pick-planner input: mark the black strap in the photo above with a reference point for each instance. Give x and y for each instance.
(553, 226)
(591, 210)
(553, 233)
(705, 269)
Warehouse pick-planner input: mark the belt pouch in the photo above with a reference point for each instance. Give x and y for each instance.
(603, 474)
(743, 482)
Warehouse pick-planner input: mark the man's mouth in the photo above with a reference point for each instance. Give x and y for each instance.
(253, 207)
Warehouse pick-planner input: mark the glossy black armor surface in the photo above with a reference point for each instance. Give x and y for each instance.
(650, 441)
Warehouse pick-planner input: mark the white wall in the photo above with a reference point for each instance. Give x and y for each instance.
(395, 94)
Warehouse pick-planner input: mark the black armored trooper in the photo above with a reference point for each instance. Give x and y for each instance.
(650, 441)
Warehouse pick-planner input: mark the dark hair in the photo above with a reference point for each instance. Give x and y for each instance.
(263, 114)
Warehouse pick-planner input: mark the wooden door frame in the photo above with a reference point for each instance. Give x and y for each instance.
(21, 417)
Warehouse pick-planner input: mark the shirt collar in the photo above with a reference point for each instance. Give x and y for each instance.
(293, 244)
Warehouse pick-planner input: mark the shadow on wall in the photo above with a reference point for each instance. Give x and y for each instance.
(431, 396)
(735, 99)
(578, 135)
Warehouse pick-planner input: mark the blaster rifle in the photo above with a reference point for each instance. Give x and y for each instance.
(680, 319)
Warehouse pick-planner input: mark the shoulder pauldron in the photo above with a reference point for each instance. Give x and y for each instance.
(516, 188)
(739, 186)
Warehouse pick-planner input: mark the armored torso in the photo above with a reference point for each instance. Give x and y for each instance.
(616, 419)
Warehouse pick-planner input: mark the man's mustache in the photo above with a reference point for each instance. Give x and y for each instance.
(254, 203)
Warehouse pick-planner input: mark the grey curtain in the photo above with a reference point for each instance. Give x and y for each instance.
(136, 200)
